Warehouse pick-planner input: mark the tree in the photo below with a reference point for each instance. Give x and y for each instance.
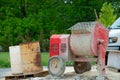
(27, 20)
(107, 15)
(116, 5)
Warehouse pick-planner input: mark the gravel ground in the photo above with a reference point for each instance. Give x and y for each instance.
(5, 72)
(69, 75)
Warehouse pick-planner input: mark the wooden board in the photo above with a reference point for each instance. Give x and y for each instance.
(24, 76)
(113, 51)
(114, 60)
(15, 60)
(31, 58)
(114, 69)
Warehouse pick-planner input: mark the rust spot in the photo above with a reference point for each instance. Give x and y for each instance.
(38, 60)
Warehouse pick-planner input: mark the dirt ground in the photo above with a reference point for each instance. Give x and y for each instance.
(90, 75)
(71, 75)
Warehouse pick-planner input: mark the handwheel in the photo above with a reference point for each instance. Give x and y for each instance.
(81, 67)
(56, 66)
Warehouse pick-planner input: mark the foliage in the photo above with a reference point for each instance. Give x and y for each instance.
(107, 16)
(116, 5)
(117, 8)
(27, 20)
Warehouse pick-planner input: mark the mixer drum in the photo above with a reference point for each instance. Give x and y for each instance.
(85, 37)
(81, 44)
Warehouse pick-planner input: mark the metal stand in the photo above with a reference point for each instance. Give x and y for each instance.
(101, 61)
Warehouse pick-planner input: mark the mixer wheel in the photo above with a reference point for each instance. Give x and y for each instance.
(56, 66)
(80, 67)
(88, 66)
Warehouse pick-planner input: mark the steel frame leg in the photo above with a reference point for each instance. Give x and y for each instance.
(101, 62)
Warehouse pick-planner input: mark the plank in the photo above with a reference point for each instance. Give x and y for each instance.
(113, 51)
(24, 76)
(114, 69)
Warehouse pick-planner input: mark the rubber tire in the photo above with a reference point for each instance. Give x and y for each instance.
(81, 67)
(62, 66)
(88, 66)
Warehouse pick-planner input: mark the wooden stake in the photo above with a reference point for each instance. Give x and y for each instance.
(96, 15)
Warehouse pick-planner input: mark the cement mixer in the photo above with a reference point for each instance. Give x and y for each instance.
(87, 42)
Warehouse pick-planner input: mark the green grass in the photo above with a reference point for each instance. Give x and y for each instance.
(5, 59)
(45, 58)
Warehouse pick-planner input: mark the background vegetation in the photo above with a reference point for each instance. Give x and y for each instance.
(107, 15)
(27, 20)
